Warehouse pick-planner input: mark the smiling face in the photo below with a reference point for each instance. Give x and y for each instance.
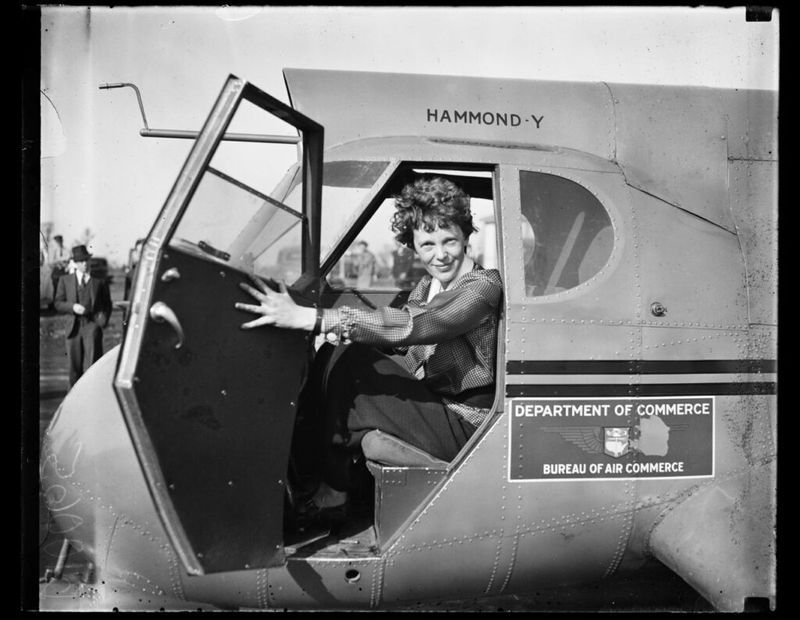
(443, 252)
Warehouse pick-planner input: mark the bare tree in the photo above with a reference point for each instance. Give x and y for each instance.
(85, 238)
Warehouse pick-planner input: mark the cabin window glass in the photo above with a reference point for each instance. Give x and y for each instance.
(373, 260)
(567, 235)
(385, 265)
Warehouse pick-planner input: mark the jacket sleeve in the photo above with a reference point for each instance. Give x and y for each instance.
(60, 298)
(448, 315)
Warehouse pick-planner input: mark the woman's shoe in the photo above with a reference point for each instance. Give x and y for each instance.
(309, 513)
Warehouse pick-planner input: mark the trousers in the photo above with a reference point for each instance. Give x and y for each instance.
(84, 349)
(354, 389)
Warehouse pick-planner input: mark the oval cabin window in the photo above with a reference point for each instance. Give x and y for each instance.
(567, 235)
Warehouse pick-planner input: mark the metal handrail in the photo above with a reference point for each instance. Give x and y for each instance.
(147, 132)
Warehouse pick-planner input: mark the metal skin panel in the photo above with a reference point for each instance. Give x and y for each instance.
(583, 547)
(93, 485)
(745, 442)
(451, 523)
(453, 569)
(689, 342)
(569, 115)
(726, 564)
(450, 528)
(551, 337)
(754, 204)
(752, 117)
(694, 269)
(320, 584)
(60, 595)
(481, 474)
(748, 425)
(762, 342)
(727, 554)
(398, 491)
(230, 590)
(673, 143)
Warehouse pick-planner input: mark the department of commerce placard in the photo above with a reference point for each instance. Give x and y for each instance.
(611, 438)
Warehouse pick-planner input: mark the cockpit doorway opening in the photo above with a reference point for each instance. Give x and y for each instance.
(356, 237)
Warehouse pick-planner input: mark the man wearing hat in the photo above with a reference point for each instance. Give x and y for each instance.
(88, 300)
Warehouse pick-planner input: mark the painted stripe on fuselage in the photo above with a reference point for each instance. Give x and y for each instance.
(604, 367)
(643, 389)
(633, 378)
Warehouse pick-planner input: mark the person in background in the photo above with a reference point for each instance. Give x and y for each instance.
(88, 301)
(402, 265)
(46, 290)
(365, 265)
(446, 331)
(57, 259)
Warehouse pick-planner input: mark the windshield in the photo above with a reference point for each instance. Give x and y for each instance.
(345, 184)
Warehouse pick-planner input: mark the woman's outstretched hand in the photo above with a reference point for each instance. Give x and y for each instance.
(275, 308)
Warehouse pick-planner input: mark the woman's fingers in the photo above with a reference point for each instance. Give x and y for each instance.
(257, 294)
(257, 281)
(272, 305)
(249, 308)
(264, 320)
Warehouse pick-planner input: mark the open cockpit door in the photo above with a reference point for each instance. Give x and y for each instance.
(211, 407)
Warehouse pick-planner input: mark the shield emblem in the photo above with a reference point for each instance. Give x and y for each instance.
(616, 441)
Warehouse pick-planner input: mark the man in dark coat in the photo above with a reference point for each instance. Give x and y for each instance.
(88, 300)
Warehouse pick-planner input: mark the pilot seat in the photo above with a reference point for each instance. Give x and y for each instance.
(404, 475)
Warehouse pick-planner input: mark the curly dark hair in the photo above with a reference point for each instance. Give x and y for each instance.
(428, 202)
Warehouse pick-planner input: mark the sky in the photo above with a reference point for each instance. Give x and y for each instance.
(98, 173)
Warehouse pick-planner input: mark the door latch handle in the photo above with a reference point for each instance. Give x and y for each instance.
(170, 274)
(162, 313)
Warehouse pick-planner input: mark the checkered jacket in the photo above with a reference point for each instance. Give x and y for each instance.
(449, 342)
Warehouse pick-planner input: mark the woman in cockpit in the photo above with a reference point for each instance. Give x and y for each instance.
(447, 332)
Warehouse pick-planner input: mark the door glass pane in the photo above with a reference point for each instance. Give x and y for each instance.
(235, 215)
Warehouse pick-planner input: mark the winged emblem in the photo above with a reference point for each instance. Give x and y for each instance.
(587, 438)
(650, 437)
